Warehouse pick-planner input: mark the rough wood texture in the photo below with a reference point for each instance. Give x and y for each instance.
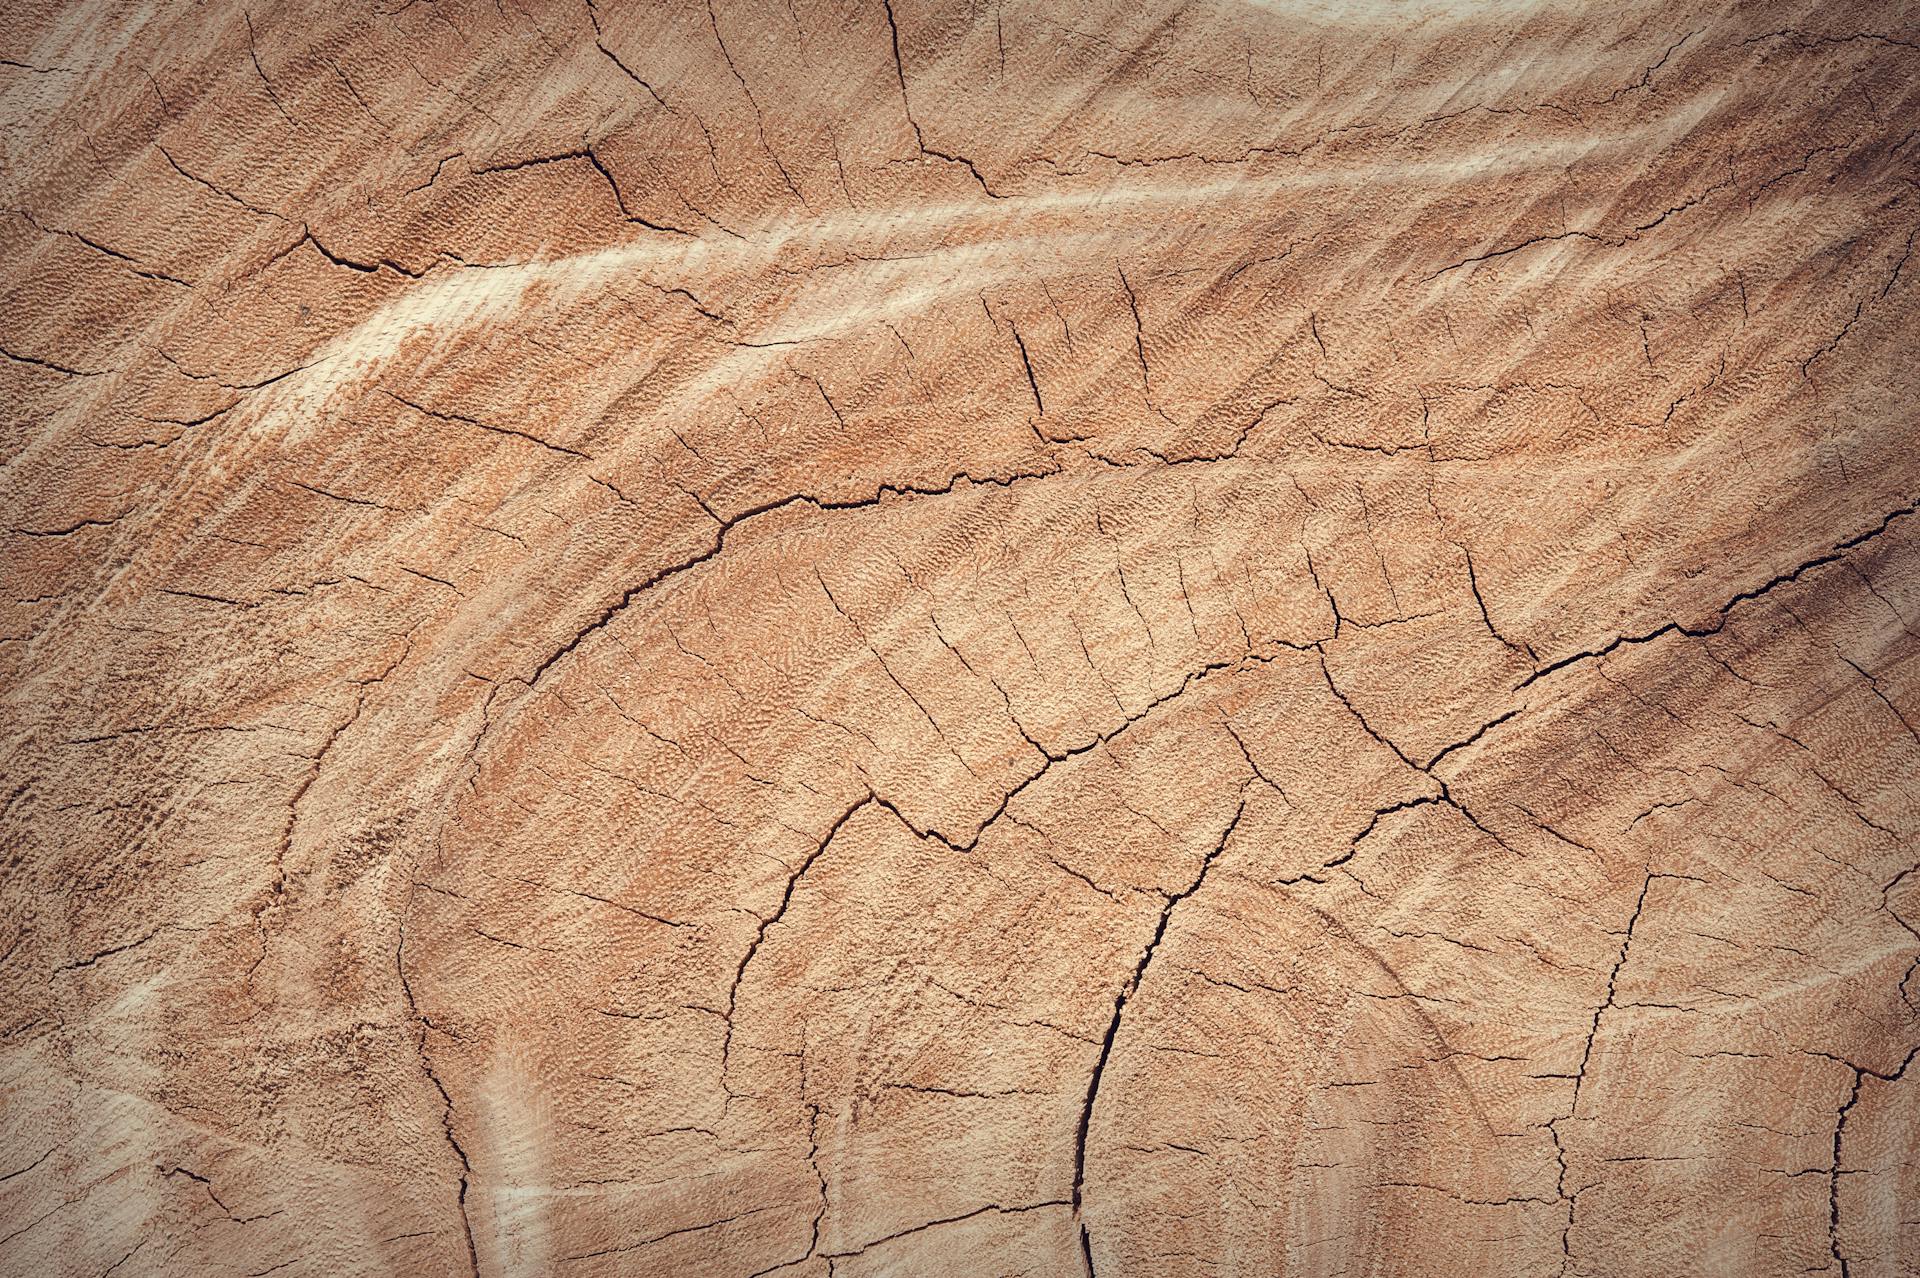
(1022, 638)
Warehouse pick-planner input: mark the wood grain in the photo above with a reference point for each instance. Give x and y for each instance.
(868, 638)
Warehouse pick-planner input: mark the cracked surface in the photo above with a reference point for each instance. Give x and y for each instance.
(879, 639)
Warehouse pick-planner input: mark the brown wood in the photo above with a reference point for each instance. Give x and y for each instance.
(1014, 638)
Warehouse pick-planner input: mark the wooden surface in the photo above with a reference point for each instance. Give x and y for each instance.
(1027, 638)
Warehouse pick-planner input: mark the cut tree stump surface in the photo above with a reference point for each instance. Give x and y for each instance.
(1009, 638)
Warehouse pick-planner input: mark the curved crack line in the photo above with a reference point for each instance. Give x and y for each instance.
(423, 1023)
(767, 923)
(1835, 555)
(1120, 1001)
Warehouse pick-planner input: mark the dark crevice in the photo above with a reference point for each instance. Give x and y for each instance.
(423, 1024)
(906, 104)
(1120, 1001)
(464, 420)
(1725, 610)
(767, 923)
